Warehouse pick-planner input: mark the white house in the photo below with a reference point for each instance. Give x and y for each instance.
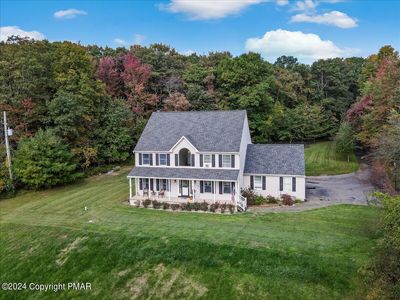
(209, 156)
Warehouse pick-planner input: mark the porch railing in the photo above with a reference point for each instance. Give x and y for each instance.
(242, 203)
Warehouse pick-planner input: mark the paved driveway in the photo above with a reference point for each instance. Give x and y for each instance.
(353, 188)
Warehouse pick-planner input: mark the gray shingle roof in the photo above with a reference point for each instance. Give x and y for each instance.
(185, 173)
(219, 131)
(275, 159)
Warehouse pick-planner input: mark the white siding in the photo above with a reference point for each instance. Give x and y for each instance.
(272, 186)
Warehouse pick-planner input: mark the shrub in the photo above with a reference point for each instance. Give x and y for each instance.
(156, 204)
(196, 206)
(204, 206)
(231, 208)
(187, 206)
(44, 161)
(175, 206)
(250, 195)
(298, 201)
(259, 200)
(223, 207)
(287, 200)
(271, 199)
(165, 205)
(213, 207)
(146, 203)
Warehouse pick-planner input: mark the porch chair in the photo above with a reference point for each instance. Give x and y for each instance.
(161, 194)
(145, 192)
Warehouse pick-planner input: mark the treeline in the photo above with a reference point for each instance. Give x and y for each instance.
(91, 103)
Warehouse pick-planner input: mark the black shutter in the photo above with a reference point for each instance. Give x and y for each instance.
(140, 159)
(151, 159)
(281, 184)
(252, 182)
(220, 187)
(232, 161)
(140, 183)
(151, 184)
(201, 186)
(176, 159)
(213, 161)
(201, 160)
(220, 161)
(157, 184)
(212, 187)
(264, 183)
(293, 184)
(168, 163)
(192, 163)
(156, 159)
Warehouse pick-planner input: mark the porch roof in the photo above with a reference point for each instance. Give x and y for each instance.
(185, 173)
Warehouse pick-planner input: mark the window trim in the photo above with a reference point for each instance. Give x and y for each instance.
(256, 187)
(230, 161)
(229, 185)
(204, 187)
(159, 159)
(143, 158)
(210, 160)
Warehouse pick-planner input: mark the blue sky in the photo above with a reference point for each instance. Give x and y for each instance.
(308, 29)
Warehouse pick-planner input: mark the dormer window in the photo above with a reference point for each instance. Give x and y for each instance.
(226, 161)
(207, 160)
(146, 159)
(163, 159)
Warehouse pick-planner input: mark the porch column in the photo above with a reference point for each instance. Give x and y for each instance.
(193, 193)
(130, 188)
(169, 190)
(214, 188)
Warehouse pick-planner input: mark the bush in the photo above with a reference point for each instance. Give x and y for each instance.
(187, 206)
(175, 206)
(44, 161)
(213, 207)
(231, 208)
(204, 206)
(259, 200)
(298, 201)
(146, 203)
(223, 207)
(165, 205)
(156, 204)
(287, 200)
(271, 199)
(250, 195)
(196, 206)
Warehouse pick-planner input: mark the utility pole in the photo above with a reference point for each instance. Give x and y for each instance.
(7, 144)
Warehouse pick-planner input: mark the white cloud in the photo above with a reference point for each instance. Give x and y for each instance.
(208, 9)
(188, 52)
(335, 18)
(8, 31)
(307, 47)
(306, 5)
(69, 13)
(282, 2)
(139, 39)
(120, 42)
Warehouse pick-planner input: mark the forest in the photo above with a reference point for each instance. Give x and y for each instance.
(76, 109)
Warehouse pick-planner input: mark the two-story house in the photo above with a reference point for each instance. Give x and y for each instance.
(209, 156)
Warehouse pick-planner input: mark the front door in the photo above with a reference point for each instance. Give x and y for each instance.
(185, 188)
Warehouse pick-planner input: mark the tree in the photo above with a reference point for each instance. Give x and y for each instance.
(345, 140)
(176, 102)
(44, 161)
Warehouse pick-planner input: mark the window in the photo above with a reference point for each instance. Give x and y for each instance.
(258, 182)
(163, 159)
(287, 184)
(226, 161)
(163, 184)
(226, 187)
(145, 183)
(207, 187)
(146, 158)
(207, 160)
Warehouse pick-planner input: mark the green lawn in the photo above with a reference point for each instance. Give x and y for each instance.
(136, 253)
(322, 159)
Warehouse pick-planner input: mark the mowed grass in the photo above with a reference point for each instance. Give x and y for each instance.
(322, 159)
(135, 253)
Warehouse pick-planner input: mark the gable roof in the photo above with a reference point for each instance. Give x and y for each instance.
(219, 131)
(285, 159)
